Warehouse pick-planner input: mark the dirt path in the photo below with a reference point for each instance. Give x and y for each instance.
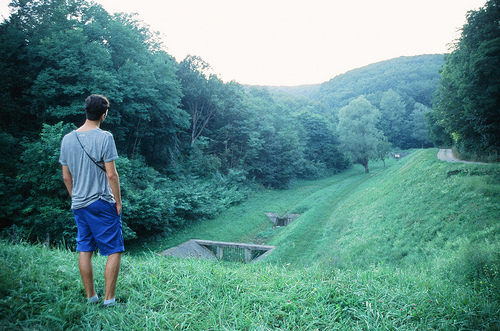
(447, 155)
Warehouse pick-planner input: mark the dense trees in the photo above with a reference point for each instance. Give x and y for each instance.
(393, 86)
(467, 105)
(190, 145)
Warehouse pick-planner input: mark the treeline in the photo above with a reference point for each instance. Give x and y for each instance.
(467, 105)
(402, 89)
(190, 145)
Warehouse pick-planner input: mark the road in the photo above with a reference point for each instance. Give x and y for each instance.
(447, 155)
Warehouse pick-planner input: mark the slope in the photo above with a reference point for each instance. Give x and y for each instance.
(419, 211)
(411, 247)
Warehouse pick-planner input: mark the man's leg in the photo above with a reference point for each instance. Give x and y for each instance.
(111, 275)
(86, 271)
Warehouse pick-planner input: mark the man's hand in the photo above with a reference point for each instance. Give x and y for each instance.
(118, 208)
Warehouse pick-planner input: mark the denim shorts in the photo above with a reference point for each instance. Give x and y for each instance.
(99, 226)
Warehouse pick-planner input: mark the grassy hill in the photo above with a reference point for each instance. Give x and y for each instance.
(411, 246)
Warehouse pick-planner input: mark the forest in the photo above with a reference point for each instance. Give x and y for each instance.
(191, 145)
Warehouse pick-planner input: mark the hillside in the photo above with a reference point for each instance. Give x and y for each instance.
(421, 210)
(414, 77)
(411, 246)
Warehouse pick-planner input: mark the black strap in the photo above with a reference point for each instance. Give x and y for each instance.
(97, 164)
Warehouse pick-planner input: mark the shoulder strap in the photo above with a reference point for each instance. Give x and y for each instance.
(97, 164)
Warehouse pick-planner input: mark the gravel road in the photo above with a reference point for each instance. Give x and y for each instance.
(447, 155)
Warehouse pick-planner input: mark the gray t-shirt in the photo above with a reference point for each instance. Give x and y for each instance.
(90, 183)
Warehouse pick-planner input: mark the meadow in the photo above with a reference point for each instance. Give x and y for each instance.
(411, 246)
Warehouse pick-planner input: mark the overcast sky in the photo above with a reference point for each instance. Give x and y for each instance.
(292, 42)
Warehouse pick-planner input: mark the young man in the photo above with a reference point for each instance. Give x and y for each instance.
(88, 164)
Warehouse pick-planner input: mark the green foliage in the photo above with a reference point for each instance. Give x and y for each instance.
(322, 152)
(408, 80)
(419, 124)
(154, 204)
(45, 209)
(414, 78)
(467, 103)
(393, 117)
(358, 132)
(189, 144)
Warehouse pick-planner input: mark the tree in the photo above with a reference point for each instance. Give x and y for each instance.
(393, 114)
(199, 96)
(322, 152)
(419, 129)
(358, 132)
(467, 104)
(273, 151)
(383, 149)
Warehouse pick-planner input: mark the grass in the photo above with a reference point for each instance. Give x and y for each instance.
(414, 246)
(41, 290)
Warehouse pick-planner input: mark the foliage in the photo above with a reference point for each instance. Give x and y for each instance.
(403, 82)
(358, 132)
(392, 117)
(322, 146)
(44, 213)
(195, 142)
(415, 78)
(467, 104)
(420, 131)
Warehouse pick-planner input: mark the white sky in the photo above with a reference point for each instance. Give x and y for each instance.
(292, 42)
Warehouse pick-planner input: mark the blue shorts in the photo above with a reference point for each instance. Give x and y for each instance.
(99, 226)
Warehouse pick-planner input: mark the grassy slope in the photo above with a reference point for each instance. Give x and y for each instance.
(414, 246)
(419, 210)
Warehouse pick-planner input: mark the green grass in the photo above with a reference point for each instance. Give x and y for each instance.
(414, 246)
(41, 290)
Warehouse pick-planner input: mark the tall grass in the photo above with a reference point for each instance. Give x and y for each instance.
(41, 291)
(414, 246)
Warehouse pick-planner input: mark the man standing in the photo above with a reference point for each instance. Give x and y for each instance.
(88, 164)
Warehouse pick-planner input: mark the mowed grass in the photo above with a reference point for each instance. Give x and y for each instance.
(414, 246)
(247, 222)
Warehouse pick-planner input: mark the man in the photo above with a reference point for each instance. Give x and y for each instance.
(88, 164)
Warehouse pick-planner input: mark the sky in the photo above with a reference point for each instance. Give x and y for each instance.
(292, 42)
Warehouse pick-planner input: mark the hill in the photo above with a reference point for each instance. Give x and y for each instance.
(415, 77)
(411, 246)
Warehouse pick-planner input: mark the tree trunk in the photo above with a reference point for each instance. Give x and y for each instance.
(364, 163)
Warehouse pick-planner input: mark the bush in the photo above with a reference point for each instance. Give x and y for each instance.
(39, 204)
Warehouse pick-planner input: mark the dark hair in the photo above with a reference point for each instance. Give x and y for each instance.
(95, 106)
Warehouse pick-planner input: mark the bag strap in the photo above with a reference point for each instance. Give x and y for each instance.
(97, 164)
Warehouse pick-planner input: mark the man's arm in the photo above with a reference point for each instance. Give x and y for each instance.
(114, 183)
(68, 180)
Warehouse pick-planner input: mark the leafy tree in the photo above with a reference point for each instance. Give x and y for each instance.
(228, 129)
(199, 99)
(467, 103)
(358, 132)
(274, 150)
(322, 154)
(45, 210)
(419, 129)
(383, 149)
(436, 130)
(392, 120)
